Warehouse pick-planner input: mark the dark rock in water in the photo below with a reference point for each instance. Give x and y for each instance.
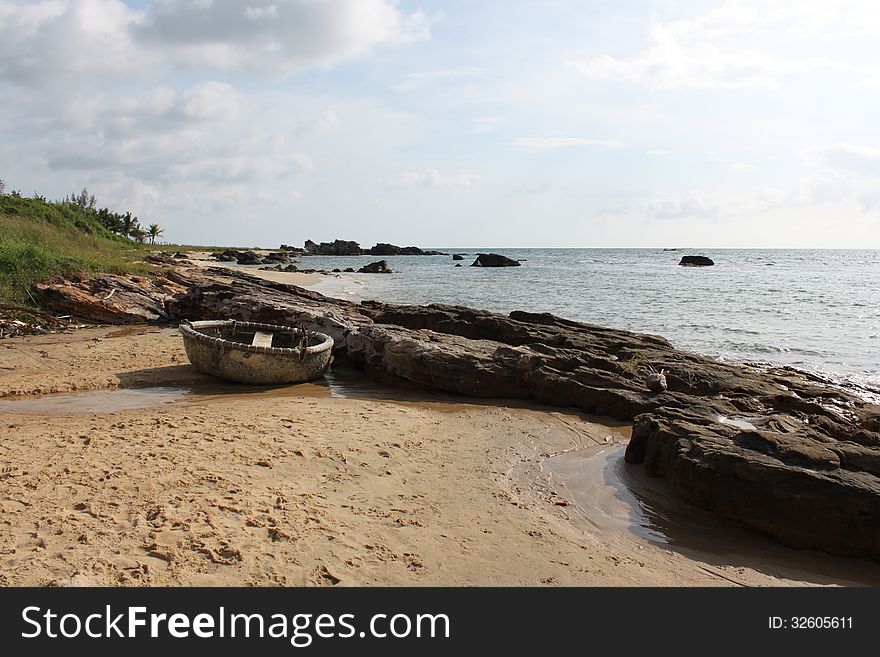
(457, 256)
(335, 248)
(696, 261)
(493, 260)
(291, 268)
(458, 265)
(276, 256)
(337, 271)
(349, 269)
(291, 249)
(382, 249)
(378, 267)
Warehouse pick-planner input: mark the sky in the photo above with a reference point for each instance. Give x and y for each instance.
(560, 123)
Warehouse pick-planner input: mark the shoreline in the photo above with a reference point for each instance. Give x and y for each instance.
(334, 285)
(300, 487)
(507, 362)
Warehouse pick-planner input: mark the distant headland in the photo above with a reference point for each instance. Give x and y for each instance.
(349, 248)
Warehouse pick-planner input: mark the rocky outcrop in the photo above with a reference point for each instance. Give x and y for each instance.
(251, 257)
(799, 476)
(378, 267)
(253, 299)
(457, 256)
(113, 299)
(781, 451)
(382, 249)
(493, 260)
(696, 261)
(335, 248)
(343, 248)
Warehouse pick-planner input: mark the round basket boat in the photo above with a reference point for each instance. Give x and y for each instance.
(259, 354)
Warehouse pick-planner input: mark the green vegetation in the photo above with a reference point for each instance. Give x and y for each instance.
(42, 240)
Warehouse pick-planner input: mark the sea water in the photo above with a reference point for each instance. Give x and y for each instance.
(817, 310)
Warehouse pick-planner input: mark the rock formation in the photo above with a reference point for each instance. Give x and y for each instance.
(335, 248)
(778, 450)
(343, 248)
(114, 299)
(696, 261)
(493, 260)
(378, 267)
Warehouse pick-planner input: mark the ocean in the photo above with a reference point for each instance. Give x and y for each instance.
(816, 310)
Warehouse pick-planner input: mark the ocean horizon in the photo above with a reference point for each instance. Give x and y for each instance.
(814, 309)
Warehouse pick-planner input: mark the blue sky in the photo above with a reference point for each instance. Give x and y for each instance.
(555, 123)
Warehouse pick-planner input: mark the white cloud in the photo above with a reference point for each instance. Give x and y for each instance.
(486, 124)
(844, 172)
(696, 204)
(552, 143)
(64, 42)
(211, 101)
(739, 44)
(282, 36)
(742, 167)
(75, 42)
(658, 151)
(433, 178)
(857, 159)
(421, 79)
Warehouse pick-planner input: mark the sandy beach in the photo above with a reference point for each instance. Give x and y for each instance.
(162, 476)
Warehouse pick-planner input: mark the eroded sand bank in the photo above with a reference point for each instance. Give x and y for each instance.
(221, 485)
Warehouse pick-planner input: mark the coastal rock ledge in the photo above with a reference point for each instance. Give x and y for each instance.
(778, 450)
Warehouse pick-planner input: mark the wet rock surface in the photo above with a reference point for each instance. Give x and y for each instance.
(378, 267)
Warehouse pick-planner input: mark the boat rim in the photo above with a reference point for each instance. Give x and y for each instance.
(191, 330)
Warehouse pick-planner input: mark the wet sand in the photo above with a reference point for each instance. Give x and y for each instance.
(134, 469)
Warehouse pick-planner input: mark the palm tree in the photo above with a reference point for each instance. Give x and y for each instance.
(129, 223)
(138, 234)
(153, 232)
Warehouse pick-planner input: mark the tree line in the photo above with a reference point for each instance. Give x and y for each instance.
(124, 224)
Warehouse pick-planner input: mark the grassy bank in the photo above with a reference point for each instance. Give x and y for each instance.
(41, 241)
